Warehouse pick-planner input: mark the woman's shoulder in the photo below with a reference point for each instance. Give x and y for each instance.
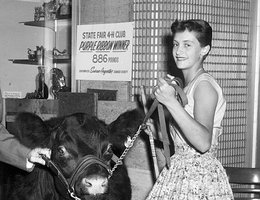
(208, 78)
(205, 78)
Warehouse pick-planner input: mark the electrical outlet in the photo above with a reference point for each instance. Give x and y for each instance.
(12, 94)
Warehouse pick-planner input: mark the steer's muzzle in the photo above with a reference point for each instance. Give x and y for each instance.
(90, 177)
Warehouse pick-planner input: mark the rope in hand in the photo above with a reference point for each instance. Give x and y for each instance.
(150, 134)
(181, 97)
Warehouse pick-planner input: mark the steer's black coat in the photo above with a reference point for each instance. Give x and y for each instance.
(71, 138)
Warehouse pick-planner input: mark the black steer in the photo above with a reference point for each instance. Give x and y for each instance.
(74, 140)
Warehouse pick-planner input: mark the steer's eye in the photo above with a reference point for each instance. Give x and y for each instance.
(61, 150)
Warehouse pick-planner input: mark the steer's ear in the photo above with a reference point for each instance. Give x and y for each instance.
(30, 129)
(107, 155)
(123, 127)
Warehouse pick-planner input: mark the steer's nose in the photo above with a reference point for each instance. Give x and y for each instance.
(95, 184)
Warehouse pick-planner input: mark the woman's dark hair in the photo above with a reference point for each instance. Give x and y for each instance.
(202, 29)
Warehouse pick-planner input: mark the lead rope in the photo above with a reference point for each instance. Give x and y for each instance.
(131, 143)
(141, 127)
(150, 133)
(181, 98)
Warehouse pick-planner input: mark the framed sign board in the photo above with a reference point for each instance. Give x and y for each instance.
(104, 52)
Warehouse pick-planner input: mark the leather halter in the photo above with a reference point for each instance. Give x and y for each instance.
(86, 162)
(69, 185)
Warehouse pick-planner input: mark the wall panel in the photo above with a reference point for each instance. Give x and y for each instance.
(230, 20)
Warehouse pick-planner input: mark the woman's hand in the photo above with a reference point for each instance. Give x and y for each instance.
(150, 127)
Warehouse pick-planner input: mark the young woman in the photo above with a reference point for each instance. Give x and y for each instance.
(14, 153)
(195, 173)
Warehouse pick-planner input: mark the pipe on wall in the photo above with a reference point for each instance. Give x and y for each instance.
(256, 74)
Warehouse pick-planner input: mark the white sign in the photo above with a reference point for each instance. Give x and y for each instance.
(104, 52)
(12, 94)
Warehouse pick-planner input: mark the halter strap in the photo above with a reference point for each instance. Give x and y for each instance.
(54, 168)
(85, 162)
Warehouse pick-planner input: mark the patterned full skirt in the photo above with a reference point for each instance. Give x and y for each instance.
(192, 176)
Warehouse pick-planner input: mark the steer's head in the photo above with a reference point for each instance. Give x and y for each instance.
(83, 138)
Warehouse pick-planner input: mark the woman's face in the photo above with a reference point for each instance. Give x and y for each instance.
(186, 51)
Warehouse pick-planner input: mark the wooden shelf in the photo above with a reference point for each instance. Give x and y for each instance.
(35, 23)
(24, 61)
(35, 62)
(49, 24)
